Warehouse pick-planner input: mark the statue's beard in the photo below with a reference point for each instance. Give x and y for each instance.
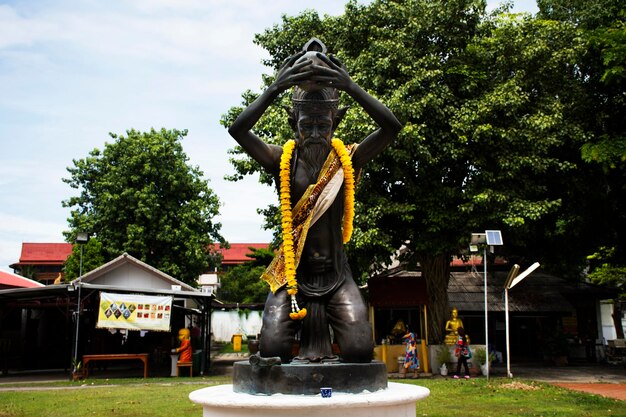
(314, 152)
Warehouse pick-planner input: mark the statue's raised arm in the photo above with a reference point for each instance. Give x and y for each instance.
(290, 74)
(334, 74)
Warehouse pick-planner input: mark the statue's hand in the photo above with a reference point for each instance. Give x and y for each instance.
(334, 74)
(292, 73)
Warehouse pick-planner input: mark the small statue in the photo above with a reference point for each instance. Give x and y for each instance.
(184, 335)
(452, 327)
(398, 331)
(411, 359)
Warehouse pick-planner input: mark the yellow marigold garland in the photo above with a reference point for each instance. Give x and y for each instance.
(348, 182)
(285, 211)
(298, 313)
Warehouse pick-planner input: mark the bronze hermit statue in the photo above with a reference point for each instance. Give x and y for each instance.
(311, 284)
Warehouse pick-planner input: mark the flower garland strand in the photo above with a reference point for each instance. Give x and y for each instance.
(287, 220)
(348, 181)
(298, 313)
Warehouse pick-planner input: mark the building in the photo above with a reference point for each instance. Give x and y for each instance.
(541, 308)
(230, 257)
(236, 254)
(38, 328)
(42, 262)
(11, 281)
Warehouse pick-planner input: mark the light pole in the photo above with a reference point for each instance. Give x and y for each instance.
(490, 238)
(81, 238)
(512, 280)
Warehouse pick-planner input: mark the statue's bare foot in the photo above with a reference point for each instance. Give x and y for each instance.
(257, 360)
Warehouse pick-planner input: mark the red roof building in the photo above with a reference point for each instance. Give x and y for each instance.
(236, 254)
(43, 261)
(9, 281)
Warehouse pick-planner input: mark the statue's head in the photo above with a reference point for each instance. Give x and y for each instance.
(314, 114)
(184, 334)
(455, 313)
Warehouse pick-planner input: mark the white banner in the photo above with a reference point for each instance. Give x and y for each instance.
(134, 312)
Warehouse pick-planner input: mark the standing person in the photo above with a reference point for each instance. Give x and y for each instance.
(462, 352)
(411, 359)
(311, 283)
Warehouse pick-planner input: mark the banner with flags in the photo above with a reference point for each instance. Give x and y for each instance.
(134, 312)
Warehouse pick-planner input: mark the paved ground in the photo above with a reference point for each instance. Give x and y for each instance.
(600, 379)
(617, 391)
(606, 380)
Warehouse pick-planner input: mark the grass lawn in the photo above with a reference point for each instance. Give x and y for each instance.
(168, 397)
(228, 348)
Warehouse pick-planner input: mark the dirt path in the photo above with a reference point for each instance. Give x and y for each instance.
(616, 391)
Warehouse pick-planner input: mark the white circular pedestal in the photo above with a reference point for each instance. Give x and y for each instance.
(398, 400)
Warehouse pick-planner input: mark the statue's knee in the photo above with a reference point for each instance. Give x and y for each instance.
(275, 341)
(357, 353)
(270, 348)
(358, 346)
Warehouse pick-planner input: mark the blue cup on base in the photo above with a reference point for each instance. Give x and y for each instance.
(326, 392)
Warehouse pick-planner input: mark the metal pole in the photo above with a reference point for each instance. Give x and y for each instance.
(78, 308)
(486, 322)
(80, 268)
(204, 338)
(508, 350)
(426, 333)
(207, 336)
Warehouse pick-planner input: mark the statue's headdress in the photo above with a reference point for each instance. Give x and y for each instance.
(324, 98)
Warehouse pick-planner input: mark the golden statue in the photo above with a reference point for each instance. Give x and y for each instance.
(398, 331)
(184, 335)
(452, 326)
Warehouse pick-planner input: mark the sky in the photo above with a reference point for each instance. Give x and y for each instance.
(73, 71)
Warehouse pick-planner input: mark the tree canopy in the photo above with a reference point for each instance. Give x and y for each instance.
(92, 257)
(241, 284)
(598, 108)
(140, 196)
(492, 138)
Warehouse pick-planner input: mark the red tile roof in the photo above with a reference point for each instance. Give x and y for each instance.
(45, 253)
(237, 252)
(9, 280)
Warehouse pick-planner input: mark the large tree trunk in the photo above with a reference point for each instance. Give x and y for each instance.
(436, 272)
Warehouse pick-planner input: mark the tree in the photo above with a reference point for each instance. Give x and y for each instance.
(140, 196)
(92, 258)
(485, 143)
(242, 284)
(598, 108)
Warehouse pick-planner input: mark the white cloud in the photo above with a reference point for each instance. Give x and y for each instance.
(16, 30)
(30, 228)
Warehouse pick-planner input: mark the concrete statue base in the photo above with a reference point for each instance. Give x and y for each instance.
(397, 400)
